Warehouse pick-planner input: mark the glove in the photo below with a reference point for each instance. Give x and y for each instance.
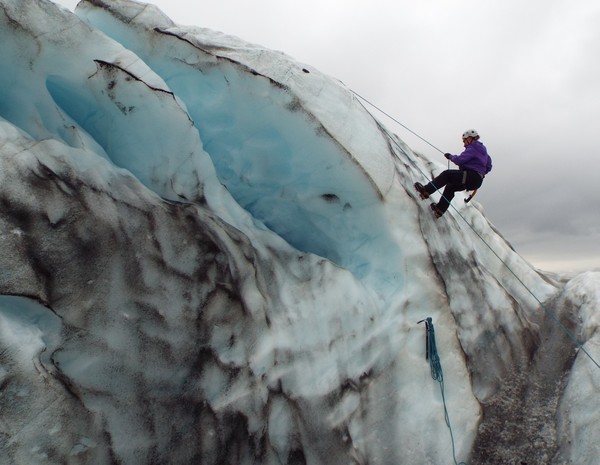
(448, 155)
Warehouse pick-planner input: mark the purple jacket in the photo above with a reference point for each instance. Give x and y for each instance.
(475, 157)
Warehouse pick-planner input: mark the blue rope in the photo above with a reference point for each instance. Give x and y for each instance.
(438, 375)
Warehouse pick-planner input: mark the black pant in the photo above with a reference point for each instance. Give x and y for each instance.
(453, 180)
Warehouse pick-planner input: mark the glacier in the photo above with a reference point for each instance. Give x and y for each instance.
(211, 253)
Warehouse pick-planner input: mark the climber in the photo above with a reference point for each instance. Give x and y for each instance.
(474, 163)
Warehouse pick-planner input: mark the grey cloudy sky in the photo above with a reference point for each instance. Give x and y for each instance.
(525, 74)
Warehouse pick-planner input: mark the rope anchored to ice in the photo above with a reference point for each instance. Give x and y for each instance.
(575, 340)
(437, 374)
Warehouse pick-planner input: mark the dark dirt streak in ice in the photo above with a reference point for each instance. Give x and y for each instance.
(69, 264)
(525, 366)
(519, 422)
(295, 105)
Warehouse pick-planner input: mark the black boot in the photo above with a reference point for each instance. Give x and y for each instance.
(422, 191)
(436, 210)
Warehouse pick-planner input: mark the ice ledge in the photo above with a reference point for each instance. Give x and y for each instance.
(321, 97)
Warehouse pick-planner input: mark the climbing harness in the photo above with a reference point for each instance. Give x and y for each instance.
(437, 374)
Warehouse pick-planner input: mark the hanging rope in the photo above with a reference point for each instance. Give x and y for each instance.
(548, 312)
(437, 374)
(396, 121)
(408, 129)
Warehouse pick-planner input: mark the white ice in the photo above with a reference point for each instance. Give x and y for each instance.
(232, 260)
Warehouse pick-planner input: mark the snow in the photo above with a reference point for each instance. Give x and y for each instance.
(212, 253)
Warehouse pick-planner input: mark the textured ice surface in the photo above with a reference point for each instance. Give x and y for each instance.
(211, 253)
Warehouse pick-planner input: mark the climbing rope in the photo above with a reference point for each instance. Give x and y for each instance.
(437, 374)
(396, 121)
(548, 312)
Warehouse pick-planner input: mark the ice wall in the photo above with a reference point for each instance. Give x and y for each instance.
(274, 132)
(212, 253)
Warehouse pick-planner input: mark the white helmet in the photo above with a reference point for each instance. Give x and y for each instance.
(470, 133)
